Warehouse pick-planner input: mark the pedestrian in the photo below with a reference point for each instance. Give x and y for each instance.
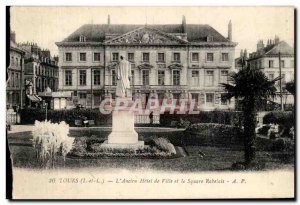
(151, 117)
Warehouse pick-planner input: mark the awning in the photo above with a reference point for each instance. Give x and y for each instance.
(34, 98)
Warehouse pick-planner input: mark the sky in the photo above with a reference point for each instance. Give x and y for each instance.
(47, 25)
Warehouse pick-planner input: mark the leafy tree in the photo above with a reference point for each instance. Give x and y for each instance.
(252, 88)
(290, 87)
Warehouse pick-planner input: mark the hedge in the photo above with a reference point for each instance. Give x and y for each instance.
(29, 115)
(283, 118)
(213, 134)
(221, 117)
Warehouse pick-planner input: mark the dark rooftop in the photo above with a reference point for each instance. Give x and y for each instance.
(96, 32)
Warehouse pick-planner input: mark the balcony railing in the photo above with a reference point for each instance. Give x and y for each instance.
(154, 87)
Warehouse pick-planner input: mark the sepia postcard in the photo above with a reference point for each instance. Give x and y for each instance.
(150, 102)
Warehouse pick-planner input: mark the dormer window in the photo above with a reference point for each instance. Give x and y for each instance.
(210, 38)
(82, 38)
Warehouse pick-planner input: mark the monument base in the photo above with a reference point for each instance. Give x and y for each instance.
(123, 134)
(135, 146)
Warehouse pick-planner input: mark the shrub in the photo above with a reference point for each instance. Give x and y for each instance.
(80, 146)
(164, 144)
(282, 144)
(276, 145)
(183, 123)
(29, 115)
(221, 117)
(51, 140)
(213, 134)
(264, 130)
(283, 118)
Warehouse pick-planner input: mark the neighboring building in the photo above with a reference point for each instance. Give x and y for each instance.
(175, 61)
(14, 86)
(241, 62)
(267, 59)
(40, 73)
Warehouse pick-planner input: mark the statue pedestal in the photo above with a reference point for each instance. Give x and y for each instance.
(123, 134)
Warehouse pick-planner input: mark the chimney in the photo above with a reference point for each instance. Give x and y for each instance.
(230, 31)
(108, 20)
(260, 45)
(245, 53)
(276, 39)
(242, 53)
(13, 36)
(183, 24)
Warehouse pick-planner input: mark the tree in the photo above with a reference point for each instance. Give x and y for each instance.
(252, 88)
(290, 87)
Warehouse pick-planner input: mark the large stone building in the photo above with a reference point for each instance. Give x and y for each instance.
(14, 86)
(174, 61)
(267, 59)
(40, 72)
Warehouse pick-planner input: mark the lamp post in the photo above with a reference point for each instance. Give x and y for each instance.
(46, 108)
(280, 83)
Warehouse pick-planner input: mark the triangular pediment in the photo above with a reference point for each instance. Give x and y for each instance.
(175, 66)
(146, 36)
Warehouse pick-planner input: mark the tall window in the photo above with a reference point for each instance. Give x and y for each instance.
(176, 56)
(96, 77)
(224, 76)
(161, 77)
(176, 77)
(195, 57)
(82, 77)
(271, 76)
(161, 57)
(209, 57)
(176, 96)
(130, 57)
(282, 80)
(12, 79)
(68, 56)
(132, 78)
(82, 95)
(195, 97)
(271, 62)
(82, 56)
(146, 57)
(282, 63)
(12, 62)
(224, 100)
(68, 77)
(225, 57)
(115, 56)
(113, 77)
(210, 98)
(17, 80)
(96, 56)
(17, 62)
(195, 77)
(145, 75)
(209, 78)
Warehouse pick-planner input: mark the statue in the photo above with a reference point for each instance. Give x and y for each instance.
(123, 77)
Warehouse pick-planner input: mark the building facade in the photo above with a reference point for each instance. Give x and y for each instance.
(14, 86)
(40, 72)
(268, 58)
(167, 61)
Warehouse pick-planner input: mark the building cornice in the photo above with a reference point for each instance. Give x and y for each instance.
(187, 44)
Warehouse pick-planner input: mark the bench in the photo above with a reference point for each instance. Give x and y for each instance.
(91, 122)
(78, 123)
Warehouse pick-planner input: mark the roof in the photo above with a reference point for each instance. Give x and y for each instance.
(15, 47)
(283, 47)
(96, 32)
